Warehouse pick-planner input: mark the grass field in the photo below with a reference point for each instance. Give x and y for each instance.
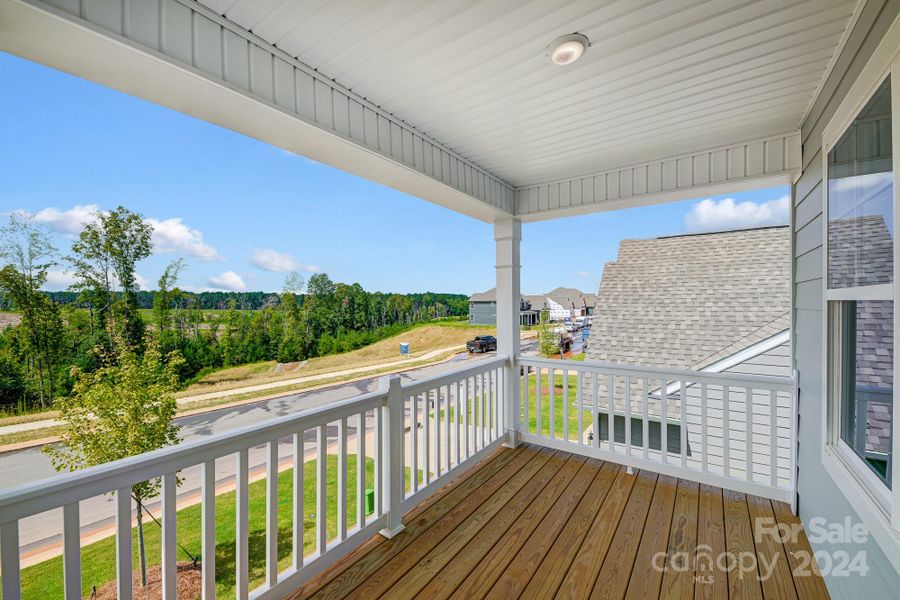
(558, 404)
(44, 580)
(422, 339)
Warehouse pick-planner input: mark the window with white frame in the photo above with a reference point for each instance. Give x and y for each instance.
(860, 291)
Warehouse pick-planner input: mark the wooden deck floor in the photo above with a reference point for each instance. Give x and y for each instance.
(538, 523)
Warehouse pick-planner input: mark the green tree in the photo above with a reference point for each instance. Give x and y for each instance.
(28, 255)
(122, 409)
(547, 339)
(166, 295)
(106, 253)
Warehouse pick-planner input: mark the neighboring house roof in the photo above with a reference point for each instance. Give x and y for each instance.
(688, 301)
(865, 239)
(571, 297)
(488, 296)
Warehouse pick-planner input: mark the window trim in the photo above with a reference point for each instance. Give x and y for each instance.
(837, 457)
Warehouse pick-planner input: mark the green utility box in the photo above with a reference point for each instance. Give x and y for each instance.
(370, 501)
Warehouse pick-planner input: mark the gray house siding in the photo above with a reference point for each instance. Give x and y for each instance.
(482, 313)
(776, 361)
(818, 495)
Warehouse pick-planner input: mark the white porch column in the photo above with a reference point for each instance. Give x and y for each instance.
(508, 235)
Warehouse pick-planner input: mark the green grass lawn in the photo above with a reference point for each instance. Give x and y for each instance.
(558, 402)
(44, 580)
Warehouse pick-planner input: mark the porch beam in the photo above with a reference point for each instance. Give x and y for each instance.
(508, 237)
(182, 55)
(767, 161)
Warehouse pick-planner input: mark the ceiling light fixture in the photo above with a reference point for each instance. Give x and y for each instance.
(567, 49)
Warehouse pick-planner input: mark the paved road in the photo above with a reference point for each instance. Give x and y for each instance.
(41, 533)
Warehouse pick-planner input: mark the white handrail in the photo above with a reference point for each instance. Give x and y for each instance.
(734, 379)
(66, 488)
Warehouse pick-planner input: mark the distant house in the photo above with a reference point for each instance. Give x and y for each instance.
(715, 302)
(483, 309)
(567, 303)
(562, 303)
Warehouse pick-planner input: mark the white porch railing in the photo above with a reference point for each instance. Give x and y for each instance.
(417, 436)
(734, 431)
(729, 430)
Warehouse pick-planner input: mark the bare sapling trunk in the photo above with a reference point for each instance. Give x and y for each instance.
(142, 554)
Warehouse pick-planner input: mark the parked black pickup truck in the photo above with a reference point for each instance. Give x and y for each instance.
(482, 343)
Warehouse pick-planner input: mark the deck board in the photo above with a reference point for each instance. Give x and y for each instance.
(540, 523)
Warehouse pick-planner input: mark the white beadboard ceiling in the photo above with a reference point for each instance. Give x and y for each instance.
(662, 77)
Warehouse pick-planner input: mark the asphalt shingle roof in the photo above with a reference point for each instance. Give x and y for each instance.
(686, 301)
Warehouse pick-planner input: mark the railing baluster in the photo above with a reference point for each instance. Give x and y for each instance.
(684, 428)
(565, 411)
(494, 413)
(123, 548)
(482, 401)
(537, 405)
(169, 547)
(208, 531)
(379, 460)
(321, 491)
(242, 525)
(459, 387)
(9, 560)
(342, 479)
(773, 444)
(551, 388)
(437, 431)
(645, 401)
(595, 416)
(71, 552)
(748, 425)
(525, 399)
(272, 513)
(664, 420)
(447, 426)
(704, 438)
(426, 446)
(726, 433)
(579, 394)
(414, 446)
(361, 470)
(610, 411)
(299, 492)
(628, 415)
(466, 413)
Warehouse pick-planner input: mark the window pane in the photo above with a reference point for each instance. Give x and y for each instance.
(860, 199)
(867, 366)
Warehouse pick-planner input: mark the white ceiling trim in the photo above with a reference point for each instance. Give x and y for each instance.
(771, 160)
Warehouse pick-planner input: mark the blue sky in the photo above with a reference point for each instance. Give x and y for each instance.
(242, 213)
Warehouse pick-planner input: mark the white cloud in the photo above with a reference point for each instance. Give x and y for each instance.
(172, 235)
(69, 222)
(272, 260)
(58, 281)
(278, 262)
(583, 273)
(228, 281)
(861, 182)
(711, 215)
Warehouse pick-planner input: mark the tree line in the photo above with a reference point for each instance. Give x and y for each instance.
(63, 335)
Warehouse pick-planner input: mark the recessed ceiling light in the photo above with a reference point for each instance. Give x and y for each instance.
(567, 49)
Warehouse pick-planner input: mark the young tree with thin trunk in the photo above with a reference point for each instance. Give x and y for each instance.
(28, 255)
(122, 409)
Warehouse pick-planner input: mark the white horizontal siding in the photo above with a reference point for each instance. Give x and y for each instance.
(767, 157)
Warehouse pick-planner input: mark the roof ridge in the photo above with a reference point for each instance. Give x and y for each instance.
(741, 339)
